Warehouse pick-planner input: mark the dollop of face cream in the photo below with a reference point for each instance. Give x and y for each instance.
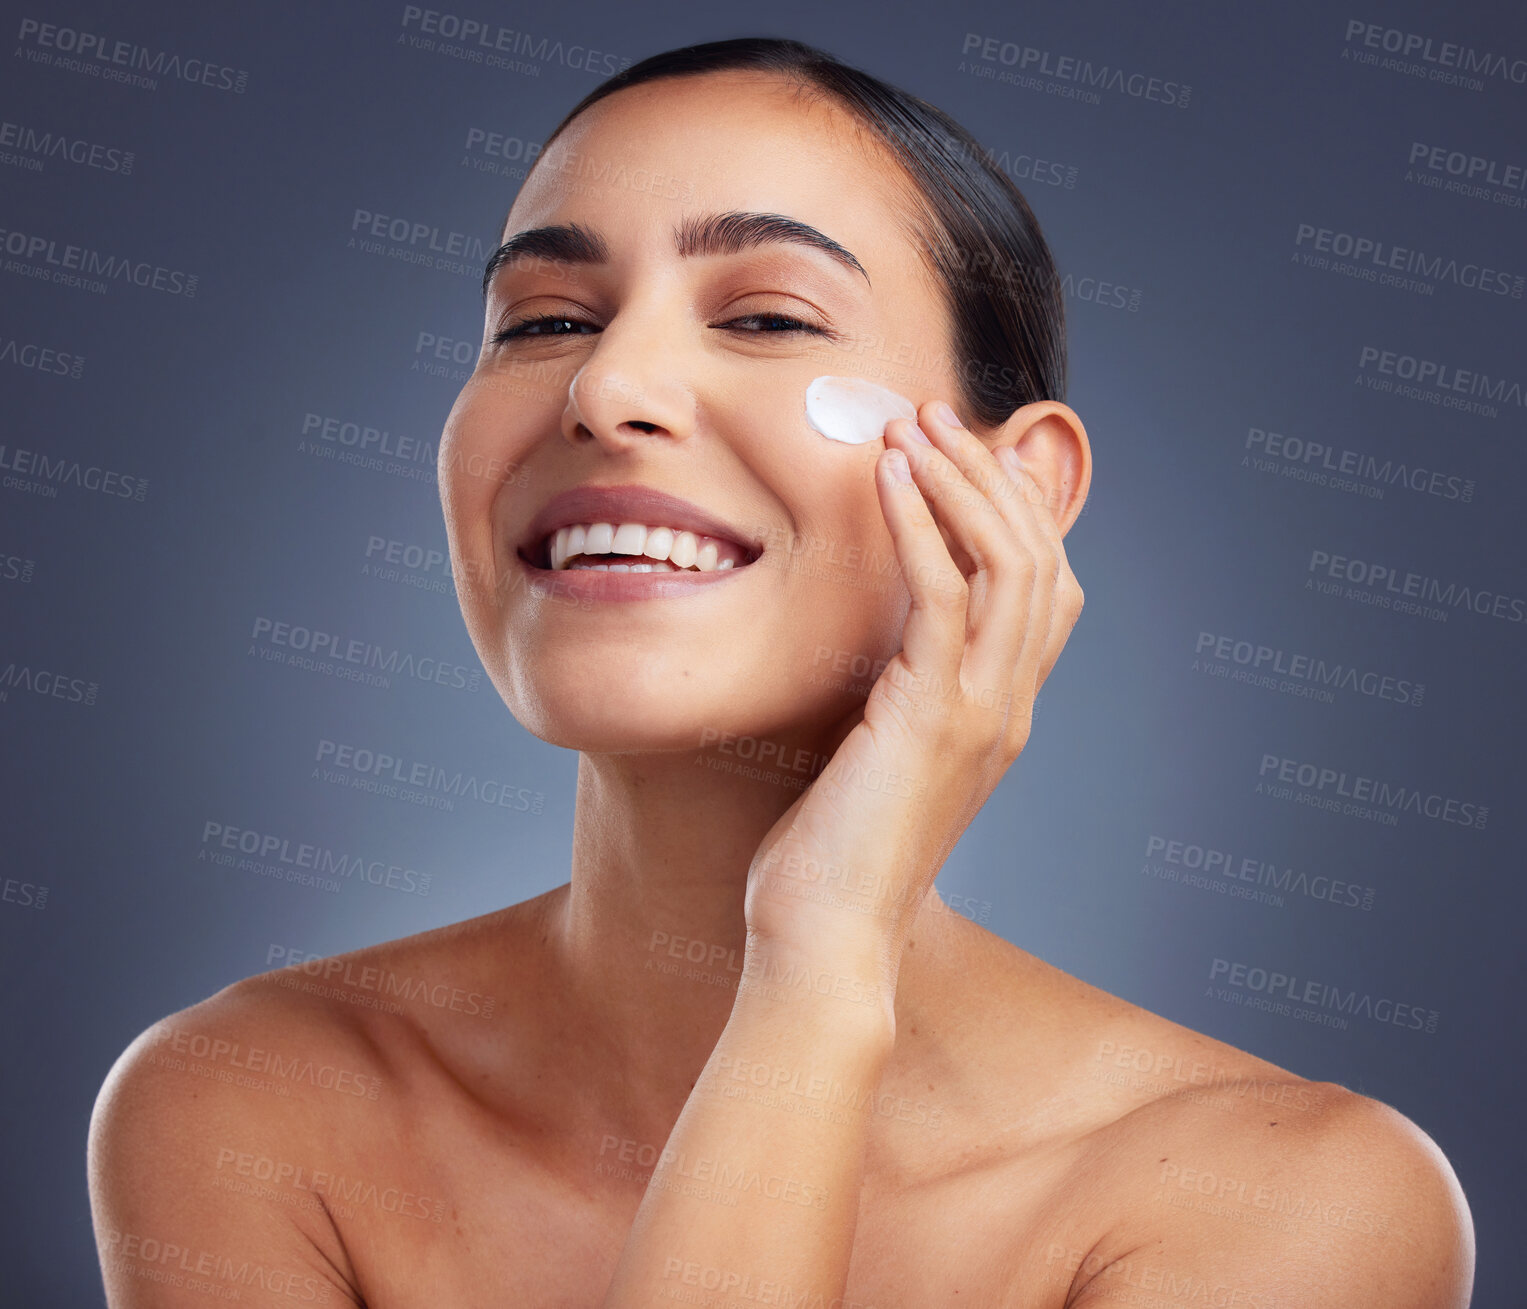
(852, 410)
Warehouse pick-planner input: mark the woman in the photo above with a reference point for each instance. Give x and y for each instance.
(746, 1055)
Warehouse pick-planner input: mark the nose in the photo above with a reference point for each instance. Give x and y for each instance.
(629, 387)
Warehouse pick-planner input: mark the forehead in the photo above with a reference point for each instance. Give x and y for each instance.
(648, 156)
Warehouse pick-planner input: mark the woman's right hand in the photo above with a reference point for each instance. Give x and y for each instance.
(990, 611)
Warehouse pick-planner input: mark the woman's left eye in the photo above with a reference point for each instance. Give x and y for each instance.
(545, 325)
(773, 323)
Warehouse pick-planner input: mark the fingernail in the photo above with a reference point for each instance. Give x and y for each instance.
(947, 415)
(917, 434)
(1010, 461)
(896, 464)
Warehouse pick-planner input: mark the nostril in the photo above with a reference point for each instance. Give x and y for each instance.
(642, 427)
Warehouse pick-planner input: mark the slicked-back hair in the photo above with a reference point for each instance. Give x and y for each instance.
(975, 229)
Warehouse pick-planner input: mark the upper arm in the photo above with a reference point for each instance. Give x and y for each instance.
(170, 1229)
(1350, 1207)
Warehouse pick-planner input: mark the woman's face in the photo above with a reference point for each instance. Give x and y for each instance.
(667, 370)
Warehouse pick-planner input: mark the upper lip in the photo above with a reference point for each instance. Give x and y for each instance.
(628, 503)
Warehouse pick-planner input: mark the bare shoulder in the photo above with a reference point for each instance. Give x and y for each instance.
(1198, 1172)
(344, 1025)
(210, 1126)
(1304, 1193)
(1239, 1179)
(251, 1072)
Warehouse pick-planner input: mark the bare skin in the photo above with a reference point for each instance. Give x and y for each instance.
(984, 1130)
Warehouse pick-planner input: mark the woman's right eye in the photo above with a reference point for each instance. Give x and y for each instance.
(545, 325)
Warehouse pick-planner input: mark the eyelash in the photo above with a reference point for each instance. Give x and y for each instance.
(518, 330)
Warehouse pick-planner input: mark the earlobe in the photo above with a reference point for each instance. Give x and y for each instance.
(1051, 440)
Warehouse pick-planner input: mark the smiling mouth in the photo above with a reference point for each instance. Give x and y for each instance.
(638, 548)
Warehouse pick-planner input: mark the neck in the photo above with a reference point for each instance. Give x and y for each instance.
(650, 935)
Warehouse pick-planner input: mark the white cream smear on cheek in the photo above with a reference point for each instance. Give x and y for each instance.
(852, 410)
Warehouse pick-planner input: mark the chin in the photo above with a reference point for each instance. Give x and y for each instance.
(669, 706)
(655, 710)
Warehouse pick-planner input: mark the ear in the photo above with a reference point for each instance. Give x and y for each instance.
(1052, 443)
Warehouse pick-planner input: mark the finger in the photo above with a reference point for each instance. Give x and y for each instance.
(933, 642)
(975, 459)
(1066, 595)
(1053, 596)
(989, 521)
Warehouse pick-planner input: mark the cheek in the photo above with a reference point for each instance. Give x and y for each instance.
(480, 455)
(853, 410)
(841, 591)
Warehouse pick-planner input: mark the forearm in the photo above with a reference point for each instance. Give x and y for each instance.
(760, 1179)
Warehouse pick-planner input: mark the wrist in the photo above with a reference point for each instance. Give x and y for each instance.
(848, 990)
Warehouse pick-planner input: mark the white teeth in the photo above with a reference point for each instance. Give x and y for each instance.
(661, 549)
(659, 543)
(685, 546)
(628, 539)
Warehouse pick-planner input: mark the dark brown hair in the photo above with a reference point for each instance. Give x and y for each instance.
(979, 235)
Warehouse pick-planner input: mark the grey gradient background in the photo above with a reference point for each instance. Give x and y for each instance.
(1192, 211)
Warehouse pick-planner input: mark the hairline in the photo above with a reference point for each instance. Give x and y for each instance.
(915, 216)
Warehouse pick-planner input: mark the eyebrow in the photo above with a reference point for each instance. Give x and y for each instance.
(715, 234)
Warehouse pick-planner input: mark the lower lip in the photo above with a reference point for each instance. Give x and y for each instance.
(600, 584)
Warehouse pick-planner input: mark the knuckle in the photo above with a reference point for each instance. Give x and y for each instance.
(952, 593)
